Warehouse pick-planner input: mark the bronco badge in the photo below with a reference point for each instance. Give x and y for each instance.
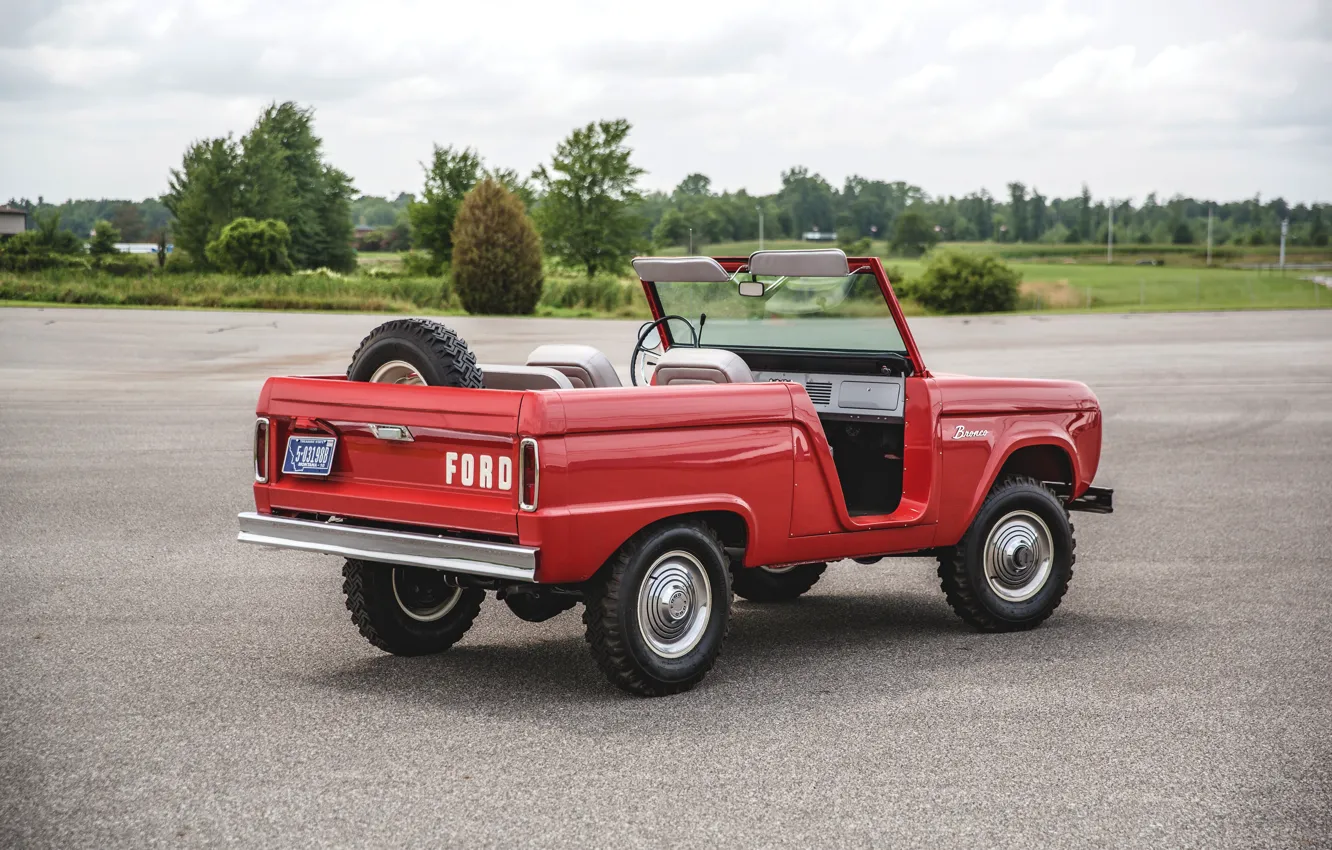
(962, 433)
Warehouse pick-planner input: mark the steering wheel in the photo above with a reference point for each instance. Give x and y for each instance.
(638, 361)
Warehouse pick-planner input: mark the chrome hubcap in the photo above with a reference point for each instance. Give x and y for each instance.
(674, 604)
(397, 372)
(423, 594)
(1019, 555)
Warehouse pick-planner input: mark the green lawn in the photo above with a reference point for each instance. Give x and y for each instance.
(1066, 283)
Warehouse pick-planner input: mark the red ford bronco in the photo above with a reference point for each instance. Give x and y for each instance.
(780, 417)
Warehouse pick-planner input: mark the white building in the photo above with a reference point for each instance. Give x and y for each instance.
(12, 221)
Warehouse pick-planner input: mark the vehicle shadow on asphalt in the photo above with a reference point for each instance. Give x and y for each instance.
(832, 640)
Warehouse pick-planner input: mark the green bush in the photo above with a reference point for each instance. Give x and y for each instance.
(956, 282)
(421, 264)
(104, 239)
(496, 252)
(898, 280)
(603, 293)
(251, 247)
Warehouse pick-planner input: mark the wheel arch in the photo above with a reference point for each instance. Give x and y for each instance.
(1045, 456)
(733, 527)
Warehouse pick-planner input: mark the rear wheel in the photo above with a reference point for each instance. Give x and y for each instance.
(1012, 567)
(776, 584)
(408, 610)
(656, 620)
(415, 351)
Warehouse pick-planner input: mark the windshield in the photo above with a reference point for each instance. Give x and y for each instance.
(818, 313)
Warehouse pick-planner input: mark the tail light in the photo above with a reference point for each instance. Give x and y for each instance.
(261, 453)
(529, 474)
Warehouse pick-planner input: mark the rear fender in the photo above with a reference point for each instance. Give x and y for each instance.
(576, 541)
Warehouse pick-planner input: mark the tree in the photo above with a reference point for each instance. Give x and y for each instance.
(695, 186)
(587, 210)
(1017, 207)
(448, 178)
(913, 234)
(285, 178)
(250, 247)
(104, 239)
(673, 229)
(1318, 229)
(809, 199)
(203, 194)
(1181, 233)
(1085, 213)
(496, 252)
(276, 171)
(129, 221)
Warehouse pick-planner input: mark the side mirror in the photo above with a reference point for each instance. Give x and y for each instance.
(751, 288)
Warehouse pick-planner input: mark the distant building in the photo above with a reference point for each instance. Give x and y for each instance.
(12, 221)
(817, 236)
(139, 247)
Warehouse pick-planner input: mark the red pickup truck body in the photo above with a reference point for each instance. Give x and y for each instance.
(751, 457)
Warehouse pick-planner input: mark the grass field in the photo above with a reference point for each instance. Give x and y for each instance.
(1060, 282)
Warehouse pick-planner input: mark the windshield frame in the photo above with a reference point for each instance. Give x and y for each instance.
(859, 265)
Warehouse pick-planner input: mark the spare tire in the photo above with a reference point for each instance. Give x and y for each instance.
(415, 351)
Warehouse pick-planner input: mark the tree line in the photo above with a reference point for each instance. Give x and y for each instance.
(591, 214)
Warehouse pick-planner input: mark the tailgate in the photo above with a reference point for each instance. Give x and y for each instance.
(432, 456)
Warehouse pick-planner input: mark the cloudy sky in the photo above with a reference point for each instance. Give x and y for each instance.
(1212, 98)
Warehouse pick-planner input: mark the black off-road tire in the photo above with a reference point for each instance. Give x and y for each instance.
(761, 585)
(611, 611)
(438, 354)
(377, 614)
(962, 567)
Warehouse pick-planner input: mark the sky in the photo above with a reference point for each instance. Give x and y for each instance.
(1220, 99)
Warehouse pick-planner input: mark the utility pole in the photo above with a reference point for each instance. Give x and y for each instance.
(760, 212)
(1285, 225)
(691, 241)
(1209, 236)
(1110, 235)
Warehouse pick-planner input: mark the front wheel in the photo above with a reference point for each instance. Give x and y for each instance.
(656, 619)
(408, 610)
(1012, 567)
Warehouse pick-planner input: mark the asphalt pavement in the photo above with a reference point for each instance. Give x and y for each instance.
(164, 686)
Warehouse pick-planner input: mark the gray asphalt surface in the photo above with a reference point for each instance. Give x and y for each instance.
(161, 685)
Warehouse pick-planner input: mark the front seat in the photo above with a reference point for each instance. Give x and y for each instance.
(583, 365)
(683, 365)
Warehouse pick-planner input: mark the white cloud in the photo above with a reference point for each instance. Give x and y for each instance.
(99, 98)
(1051, 26)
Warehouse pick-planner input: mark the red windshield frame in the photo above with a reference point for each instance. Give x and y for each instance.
(857, 264)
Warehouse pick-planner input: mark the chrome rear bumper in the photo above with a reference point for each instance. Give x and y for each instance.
(472, 557)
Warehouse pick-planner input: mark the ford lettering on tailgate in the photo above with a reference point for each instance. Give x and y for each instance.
(309, 455)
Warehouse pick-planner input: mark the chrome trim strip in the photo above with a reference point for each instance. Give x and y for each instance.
(409, 549)
(522, 473)
(268, 448)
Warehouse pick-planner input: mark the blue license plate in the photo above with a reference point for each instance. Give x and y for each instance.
(309, 455)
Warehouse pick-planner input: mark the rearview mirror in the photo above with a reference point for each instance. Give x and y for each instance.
(751, 288)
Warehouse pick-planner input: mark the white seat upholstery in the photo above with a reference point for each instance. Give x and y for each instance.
(503, 377)
(583, 365)
(684, 365)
